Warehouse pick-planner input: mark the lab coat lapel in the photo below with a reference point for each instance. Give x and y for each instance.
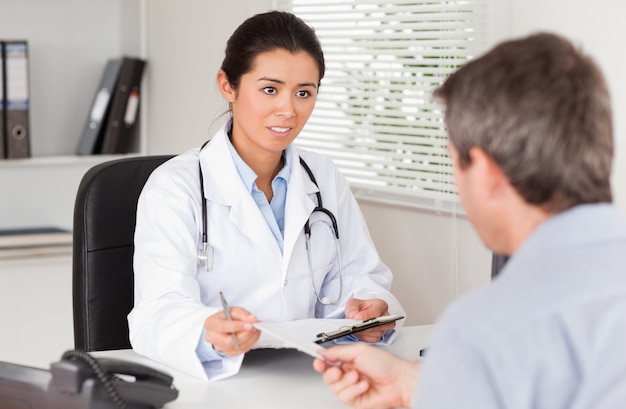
(222, 184)
(298, 208)
(246, 215)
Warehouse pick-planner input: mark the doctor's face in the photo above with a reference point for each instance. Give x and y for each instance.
(273, 102)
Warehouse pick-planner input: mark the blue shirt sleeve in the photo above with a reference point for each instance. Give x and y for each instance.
(205, 350)
(349, 339)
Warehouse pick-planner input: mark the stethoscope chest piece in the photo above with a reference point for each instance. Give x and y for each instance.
(205, 257)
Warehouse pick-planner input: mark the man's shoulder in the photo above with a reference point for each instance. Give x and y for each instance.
(471, 312)
(492, 310)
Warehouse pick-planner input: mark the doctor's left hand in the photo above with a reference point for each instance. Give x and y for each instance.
(219, 331)
(357, 309)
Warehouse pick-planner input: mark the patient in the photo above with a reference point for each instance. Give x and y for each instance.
(531, 142)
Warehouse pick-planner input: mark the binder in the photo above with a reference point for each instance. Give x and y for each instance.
(122, 126)
(2, 113)
(93, 131)
(17, 137)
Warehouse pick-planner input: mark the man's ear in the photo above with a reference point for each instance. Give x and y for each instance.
(488, 172)
(227, 91)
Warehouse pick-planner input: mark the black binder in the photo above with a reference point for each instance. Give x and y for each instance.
(3, 130)
(17, 99)
(93, 131)
(121, 130)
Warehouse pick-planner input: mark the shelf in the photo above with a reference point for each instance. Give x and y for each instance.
(42, 190)
(59, 161)
(69, 44)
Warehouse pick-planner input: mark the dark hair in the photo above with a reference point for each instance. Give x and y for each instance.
(541, 109)
(266, 32)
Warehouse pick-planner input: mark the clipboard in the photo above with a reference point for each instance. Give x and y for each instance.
(358, 327)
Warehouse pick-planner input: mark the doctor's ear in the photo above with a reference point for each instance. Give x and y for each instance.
(226, 89)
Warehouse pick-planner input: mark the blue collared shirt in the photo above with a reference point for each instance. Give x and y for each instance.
(549, 331)
(274, 211)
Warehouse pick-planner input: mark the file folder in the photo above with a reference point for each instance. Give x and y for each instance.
(17, 103)
(122, 126)
(93, 131)
(2, 113)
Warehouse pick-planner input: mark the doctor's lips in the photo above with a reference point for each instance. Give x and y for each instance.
(281, 129)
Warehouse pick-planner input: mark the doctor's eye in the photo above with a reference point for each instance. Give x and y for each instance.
(270, 90)
(303, 94)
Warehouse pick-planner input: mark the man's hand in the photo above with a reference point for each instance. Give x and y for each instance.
(366, 377)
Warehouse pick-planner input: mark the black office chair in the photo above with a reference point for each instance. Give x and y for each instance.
(104, 226)
(497, 263)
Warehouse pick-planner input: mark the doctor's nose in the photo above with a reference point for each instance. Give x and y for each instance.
(286, 108)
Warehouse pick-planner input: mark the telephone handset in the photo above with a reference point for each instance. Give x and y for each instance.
(127, 384)
(80, 381)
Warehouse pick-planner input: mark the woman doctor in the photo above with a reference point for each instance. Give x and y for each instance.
(258, 200)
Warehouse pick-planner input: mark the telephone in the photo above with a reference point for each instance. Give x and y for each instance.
(79, 381)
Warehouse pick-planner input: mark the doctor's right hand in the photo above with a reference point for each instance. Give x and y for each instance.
(219, 331)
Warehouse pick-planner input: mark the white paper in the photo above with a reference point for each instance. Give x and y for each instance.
(298, 334)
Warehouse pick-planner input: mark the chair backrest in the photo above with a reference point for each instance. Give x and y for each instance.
(497, 263)
(102, 265)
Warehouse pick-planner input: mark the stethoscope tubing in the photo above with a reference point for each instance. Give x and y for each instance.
(205, 255)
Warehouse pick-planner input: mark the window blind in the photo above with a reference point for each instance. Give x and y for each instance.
(375, 115)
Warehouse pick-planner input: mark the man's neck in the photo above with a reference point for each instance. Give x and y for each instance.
(523, 222)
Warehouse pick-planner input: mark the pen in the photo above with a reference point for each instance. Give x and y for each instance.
(228, 317)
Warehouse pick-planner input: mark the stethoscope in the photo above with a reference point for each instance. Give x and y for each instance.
(205, 255)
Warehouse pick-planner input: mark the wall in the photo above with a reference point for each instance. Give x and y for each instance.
(434, 257)
(598, 28)
(186, 42)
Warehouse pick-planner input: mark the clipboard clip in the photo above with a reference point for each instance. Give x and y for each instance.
(358, 327)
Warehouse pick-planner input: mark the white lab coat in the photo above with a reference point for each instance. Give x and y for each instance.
(173, 296)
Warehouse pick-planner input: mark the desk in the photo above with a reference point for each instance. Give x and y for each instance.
(281, 378)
